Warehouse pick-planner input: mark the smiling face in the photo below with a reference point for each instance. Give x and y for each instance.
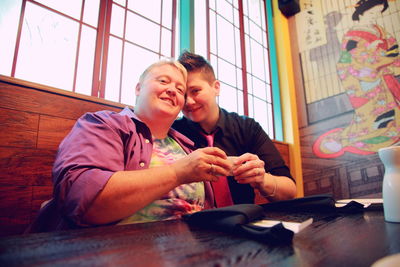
(161, 93)
(201, 105)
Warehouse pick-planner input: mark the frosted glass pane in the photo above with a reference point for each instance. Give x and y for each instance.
(200, 32)
(249, 83)
(240, 103)
(239, 79)
(166, 43)
(84, 76)
(256, 33)
(236, 21)
(9, 17)
(254, 10)
(136, 60)
(71, 7)
(226, 72)
(117, 20)
(251, 106)
(91, 12)
(149, 8)
(227, 98)
(268, 91)
(121, 2)
(259, 88)
(225, 10)
(143, 32)
(212, 4)
(257, 58)
(245, 7)
(213, 34)
(266, 65)
(48, 48)
(260, 113)
(167, 14)
(238, 50)
(226, 38)
(263, 20)
(113, 69)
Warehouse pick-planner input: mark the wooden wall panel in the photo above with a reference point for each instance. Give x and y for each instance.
(15, 208)
(17, 128)
(52, 130)
(47, 103)
(283, 148)
(25, 166)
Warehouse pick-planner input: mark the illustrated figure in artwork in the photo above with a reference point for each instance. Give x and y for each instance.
(369, 69)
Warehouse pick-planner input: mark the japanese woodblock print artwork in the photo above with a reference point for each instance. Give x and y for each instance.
(351, 83)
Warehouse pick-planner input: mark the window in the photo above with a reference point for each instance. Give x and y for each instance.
(91, 47)
(236, 45)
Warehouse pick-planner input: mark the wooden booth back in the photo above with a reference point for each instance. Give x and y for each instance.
(33, 121)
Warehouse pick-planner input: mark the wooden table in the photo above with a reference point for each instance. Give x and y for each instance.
(350, 240)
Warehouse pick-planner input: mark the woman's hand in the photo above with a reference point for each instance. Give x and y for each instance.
(204, 164)
(249, 169)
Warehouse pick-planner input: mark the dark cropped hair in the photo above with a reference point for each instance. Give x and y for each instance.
(364, 5)
(197, 63)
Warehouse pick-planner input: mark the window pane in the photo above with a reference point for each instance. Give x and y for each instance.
(150, 8)
(167, 13)
(132, 70)
(213, 33)
(200, 19)
(117, 20)
(143, 32)
(260, 113)
(91, 12)
(257, 60)
(259, 88)
(71, 7)
(226, 39)
(228, 98)
(226, 72)
(86, 61)
(113, 69)
(166, 43)
(121, 2)
(9, 19)
(225, 10)
(48, 48)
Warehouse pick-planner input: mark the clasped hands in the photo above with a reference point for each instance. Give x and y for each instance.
(207, 164)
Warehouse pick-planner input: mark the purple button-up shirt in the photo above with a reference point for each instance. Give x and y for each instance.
(98, 145)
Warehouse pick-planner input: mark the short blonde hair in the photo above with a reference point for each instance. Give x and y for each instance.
(163, 62)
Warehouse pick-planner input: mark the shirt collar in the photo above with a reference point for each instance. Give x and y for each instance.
(171, 132)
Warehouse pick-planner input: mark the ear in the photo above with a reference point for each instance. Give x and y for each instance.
(137, 89)
(216, 86)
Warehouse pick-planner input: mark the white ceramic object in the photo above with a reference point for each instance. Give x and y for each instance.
(390, 157)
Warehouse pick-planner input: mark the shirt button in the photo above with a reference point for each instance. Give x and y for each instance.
(146, 141)
(141, 164)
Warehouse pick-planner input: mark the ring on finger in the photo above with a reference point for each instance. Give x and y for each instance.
(212, 168)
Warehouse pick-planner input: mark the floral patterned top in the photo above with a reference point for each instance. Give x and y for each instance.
(184, 199)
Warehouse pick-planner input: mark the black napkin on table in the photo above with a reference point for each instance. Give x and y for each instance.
(316, 203)
(236, 219)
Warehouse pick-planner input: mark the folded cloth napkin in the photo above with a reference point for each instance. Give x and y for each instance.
(235, 220)
(316, 203)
